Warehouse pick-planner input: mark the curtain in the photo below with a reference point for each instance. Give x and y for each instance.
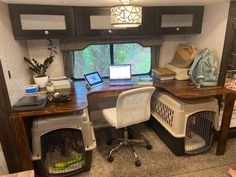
(68, 61)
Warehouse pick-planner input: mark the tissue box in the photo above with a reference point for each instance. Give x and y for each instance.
(31, 88)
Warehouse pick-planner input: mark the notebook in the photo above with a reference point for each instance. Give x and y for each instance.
(120, 74)
(29, 103)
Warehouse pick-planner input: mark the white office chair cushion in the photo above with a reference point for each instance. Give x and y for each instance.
(132, 107)
(110, 116)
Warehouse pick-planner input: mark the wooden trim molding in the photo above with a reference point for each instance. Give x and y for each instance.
(229, 36)
(6, 136)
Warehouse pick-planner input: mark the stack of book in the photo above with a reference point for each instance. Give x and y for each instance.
(162, 73)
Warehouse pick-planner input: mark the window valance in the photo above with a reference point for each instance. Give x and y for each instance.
(81, 44)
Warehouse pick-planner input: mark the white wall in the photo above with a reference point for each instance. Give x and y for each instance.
(213, 28)
(38, 50)
(168, 48)
(11, 54)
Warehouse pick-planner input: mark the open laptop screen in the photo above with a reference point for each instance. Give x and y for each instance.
(117, 72)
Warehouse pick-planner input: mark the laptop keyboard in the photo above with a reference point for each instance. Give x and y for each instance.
(121, 82)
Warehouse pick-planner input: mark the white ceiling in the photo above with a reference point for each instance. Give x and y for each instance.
(114, 2)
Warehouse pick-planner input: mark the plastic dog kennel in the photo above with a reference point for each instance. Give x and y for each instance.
(64, 144)
(186, 127)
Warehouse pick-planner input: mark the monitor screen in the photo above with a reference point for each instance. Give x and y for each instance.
(93, 79)
(120, 72)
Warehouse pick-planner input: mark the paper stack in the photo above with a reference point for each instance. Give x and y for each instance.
(60, 82)
(147, 80)
(163, 73)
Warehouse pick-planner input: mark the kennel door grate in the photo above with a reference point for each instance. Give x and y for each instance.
(199, 132)
(63, 151)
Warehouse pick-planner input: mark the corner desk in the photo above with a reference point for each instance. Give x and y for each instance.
(81, 98)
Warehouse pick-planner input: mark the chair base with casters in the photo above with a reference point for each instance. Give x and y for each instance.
(128, 142)
(132, 107)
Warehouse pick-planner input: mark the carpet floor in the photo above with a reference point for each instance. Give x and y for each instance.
(159, 161)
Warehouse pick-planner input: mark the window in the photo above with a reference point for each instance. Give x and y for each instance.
(99, 57)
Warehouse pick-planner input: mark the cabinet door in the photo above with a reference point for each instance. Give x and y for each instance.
(95, 22)
(179, 20)
(38, 22)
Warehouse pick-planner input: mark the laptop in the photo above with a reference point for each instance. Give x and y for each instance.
(120, 75)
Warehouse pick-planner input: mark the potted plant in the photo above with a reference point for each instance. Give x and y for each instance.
(39, 69)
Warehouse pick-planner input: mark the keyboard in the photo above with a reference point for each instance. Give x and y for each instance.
(121, 82)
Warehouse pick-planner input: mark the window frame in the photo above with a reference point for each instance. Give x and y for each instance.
(154, 53)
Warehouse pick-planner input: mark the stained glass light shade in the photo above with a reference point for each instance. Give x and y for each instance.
(126, 16)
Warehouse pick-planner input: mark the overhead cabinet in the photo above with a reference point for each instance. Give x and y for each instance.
(95, 22)
(39, 21)
(179, 19)
(91, 23)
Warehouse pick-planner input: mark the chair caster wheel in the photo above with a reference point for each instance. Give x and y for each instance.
(138, 163)
(149, 147)
(109, 142)
(110, 159)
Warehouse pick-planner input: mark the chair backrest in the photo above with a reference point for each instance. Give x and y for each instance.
(133, 106)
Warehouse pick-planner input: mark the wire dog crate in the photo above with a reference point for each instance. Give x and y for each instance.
(186, 127)
(63, 144)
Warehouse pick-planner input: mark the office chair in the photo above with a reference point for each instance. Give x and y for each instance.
(132, 107)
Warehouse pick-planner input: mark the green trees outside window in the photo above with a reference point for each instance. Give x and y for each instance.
(139, 57)
(99, 57)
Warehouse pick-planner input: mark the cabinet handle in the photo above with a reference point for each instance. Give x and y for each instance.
(177, 29)
(233, 54)
(46, 32)
(109, 31)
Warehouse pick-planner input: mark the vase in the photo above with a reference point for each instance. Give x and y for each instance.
(41, 81)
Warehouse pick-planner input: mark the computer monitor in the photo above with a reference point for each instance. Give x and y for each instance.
(93, 79)
(118, 72)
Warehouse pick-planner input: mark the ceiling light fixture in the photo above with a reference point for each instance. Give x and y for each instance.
(126, 15)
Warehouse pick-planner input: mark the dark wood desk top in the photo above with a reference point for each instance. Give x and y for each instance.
(79, 94)
(186, 90)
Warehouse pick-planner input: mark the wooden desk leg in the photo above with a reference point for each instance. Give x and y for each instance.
(22, 144)
(224, 129)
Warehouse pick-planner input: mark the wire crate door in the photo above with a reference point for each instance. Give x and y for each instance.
(63, 151)
(199, 132)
